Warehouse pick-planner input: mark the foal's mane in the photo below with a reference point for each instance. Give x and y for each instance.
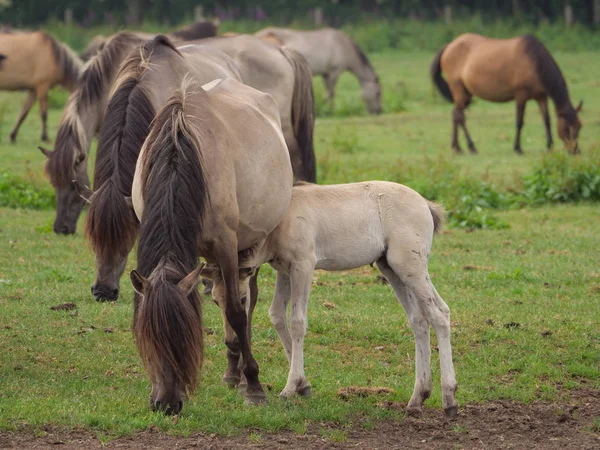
(550, 75)
(111, 224)
(96, 77)
(70, 64)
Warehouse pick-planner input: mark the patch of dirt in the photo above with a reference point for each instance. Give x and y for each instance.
(493, 425)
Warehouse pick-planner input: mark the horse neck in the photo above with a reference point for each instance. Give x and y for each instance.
(362, 71)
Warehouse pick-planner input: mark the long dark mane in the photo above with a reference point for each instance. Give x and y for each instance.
(198, 30)
(167, 325)
(72, 140)
(363, 58)
(550, 75)
(67, 60)
(111, 224)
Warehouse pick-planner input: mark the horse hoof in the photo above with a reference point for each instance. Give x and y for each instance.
(457, 150)
(304, 392)
(414, 411)
(286, 395)
(473, 150)
(451, 411)
(256, 399)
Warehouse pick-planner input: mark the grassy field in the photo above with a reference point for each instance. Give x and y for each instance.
(525, 300)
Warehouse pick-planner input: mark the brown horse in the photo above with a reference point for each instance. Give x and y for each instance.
(213, 178)
(36, 62)
(137, 93)
(81, 120)
(501, 70)
(198, 30)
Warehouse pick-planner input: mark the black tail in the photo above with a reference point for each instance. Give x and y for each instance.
(436, 76)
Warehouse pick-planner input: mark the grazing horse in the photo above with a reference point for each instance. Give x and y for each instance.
(81, 120)
(343, 227)
(137, 94)
(501, 70)
(36, 62)
(279, 72)
(198, 30)
(330, 52)
(213, 178)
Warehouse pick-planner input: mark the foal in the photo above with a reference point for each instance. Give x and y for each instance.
(343, 227)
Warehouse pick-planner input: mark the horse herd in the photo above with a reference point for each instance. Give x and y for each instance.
(199, 144)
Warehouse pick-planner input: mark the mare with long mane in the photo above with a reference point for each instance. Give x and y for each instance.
(81, 120)
(198, 30)
(329, 53)
(138, 92)
(502, 70)
(213, 178)
(35, 62)
(319, 231)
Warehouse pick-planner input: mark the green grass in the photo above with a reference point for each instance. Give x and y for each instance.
(525, 300)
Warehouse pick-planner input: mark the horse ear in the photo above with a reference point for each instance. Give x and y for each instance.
(47, 153)
(84, 191)
(139, 282)
(579, 107)
(191, 280)
(247, 272)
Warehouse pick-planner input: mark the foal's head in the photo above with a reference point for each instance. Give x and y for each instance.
(213, 275)
(568, 128)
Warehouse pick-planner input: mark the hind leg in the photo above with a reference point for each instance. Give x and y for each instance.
(420, 327)
(461, 121)
(278, 310)
(520, 114)
(29, 101)
(411, 268)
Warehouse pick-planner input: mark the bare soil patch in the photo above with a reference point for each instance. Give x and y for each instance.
(571, 424)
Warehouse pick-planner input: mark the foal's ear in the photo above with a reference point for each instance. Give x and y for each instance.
(138, 282)
(191, 280)
(84, 191)
(579, 107)
(247, 272)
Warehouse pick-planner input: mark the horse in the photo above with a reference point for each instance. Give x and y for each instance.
(138, 92)
(81, 120)
(198, 30)
(279, 72)
(213, 178)
(501, 70)
(36, 62)
(285, 74)
(330, 52)
(342, 227)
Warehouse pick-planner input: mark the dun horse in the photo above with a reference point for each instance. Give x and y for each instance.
(501, 70)
(137, 93)
(330, 52)
(198, 30)
(36, 62)
(319, 231)
(279, 72)
(213, 178)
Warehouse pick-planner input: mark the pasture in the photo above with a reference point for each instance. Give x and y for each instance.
(524, 300)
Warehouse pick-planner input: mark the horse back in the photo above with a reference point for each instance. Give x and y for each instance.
(29, 61)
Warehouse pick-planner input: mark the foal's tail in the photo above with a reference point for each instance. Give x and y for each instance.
(303, 112)
(438, 215)
(436, 76)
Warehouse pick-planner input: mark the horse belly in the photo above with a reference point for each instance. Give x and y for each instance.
(349, 254)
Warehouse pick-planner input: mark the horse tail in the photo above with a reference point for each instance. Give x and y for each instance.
(111, 224)
(168, 324)
(67, 60)
(303, 112)
(438, 79)
(437, 214)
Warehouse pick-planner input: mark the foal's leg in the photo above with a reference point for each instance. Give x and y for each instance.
(520, 113)
(278, 310)
(236, 315)
(301, 280)
(29, 101)
(420, 327)
(412, 270)
(543, 103)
